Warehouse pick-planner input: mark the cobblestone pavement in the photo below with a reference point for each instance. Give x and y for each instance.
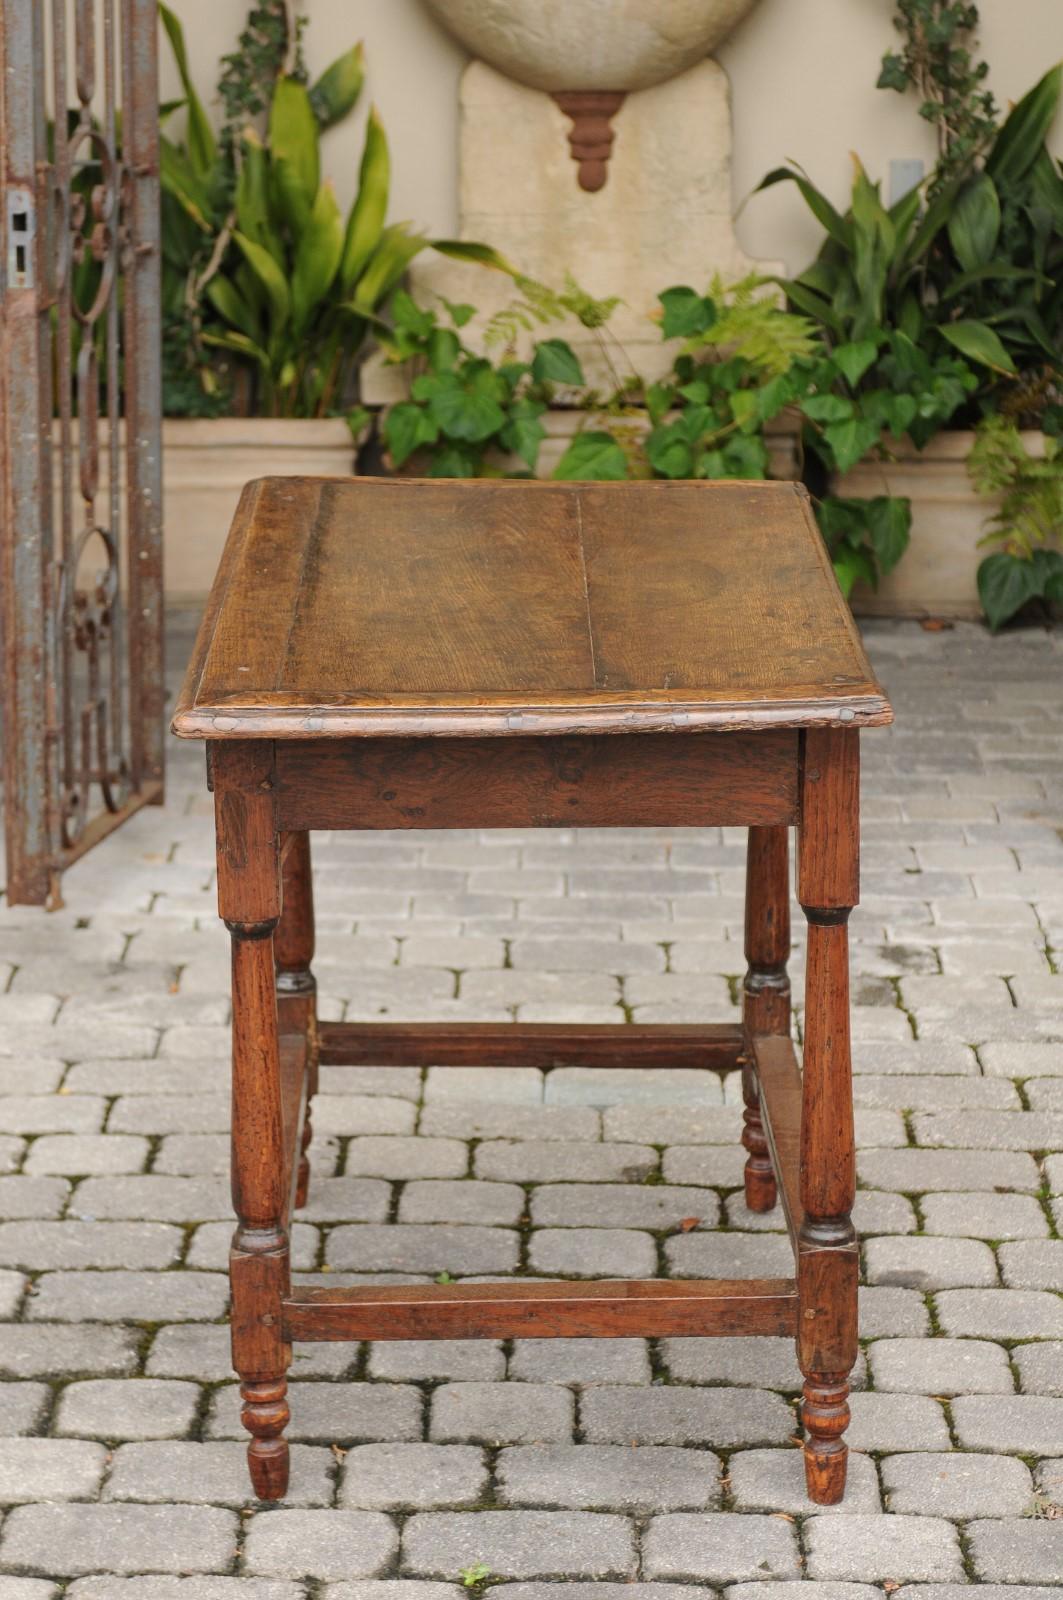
(593, 1464)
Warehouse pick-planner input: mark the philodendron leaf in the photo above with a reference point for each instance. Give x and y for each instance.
(592, 455)
(465, 413)
(978, 342)
(974, 222)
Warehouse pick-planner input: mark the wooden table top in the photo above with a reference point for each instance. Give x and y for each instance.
(359, 606)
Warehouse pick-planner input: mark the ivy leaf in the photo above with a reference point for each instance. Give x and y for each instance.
(459, 314)
(659, 397)
(901, 411)
(452, 462)
(524, 433)
(746, 457)
(555, 362)
(1005, 583)
(685, 313)
(827, 407)
(465, 412)
(850, 441)
(406, 426)
(889, 525)
(594, 456)
(669, 452)
(854, 359)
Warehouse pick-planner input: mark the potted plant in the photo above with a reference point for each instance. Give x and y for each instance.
(967, 268)
(269, 292)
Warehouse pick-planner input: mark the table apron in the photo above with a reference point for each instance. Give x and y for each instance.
(692, 780)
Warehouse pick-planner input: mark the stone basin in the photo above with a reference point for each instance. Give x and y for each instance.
(565, 45)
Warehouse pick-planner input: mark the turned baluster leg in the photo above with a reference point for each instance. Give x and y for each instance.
(249, 903)
(293, 950)
(827, 1265)
(766, 992)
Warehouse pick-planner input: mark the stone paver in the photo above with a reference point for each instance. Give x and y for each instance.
(570, 1469)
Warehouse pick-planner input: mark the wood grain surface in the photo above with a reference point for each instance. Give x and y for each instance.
(347, 607)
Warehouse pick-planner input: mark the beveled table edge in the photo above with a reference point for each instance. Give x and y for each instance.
(485, 718)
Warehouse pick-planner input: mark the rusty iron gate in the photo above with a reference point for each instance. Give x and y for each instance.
(80, 471)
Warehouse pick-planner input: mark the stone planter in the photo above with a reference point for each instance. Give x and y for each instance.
(205, 464)
(937, 575)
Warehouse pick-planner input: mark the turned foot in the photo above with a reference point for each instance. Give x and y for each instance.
(759, 1175)
(265, 1414)
(825, 1414)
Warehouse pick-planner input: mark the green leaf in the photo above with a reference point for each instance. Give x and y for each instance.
(452, 462)
(974, 222)
(685, 313)
(444, 348)
(901, 412)
(745, 456)
(270, 277)
(481, 255)
(406, 427)
(555, 362)
(293, 144)
(817, 203)
(827, 407)
(592, 455)
(978, 342)
(659, 397)
(366, 221)
(202, 150)
(358, 419)
(850, 441)
(231, 306)
(854, 359)
(241, 344)
(464, 412)
(252, 196)
(1005, 583)
(180, 182)
(889, 526)
(335, 93)
(524, 433)
(668, 452)
(1020, 139)
(393, 254)
(317, 258)
(459, 314)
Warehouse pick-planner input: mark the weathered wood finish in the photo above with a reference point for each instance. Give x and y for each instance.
(249, 903)
(354, 607)
(827, 1262)
(530, 1044)
(534, 1309)
(707, 781)
(404, 655)
(293, 949)
(766, 992)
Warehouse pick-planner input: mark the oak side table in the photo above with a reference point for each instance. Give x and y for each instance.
(508, 654)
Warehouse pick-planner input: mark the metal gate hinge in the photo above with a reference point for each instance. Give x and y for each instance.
(21, 238)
